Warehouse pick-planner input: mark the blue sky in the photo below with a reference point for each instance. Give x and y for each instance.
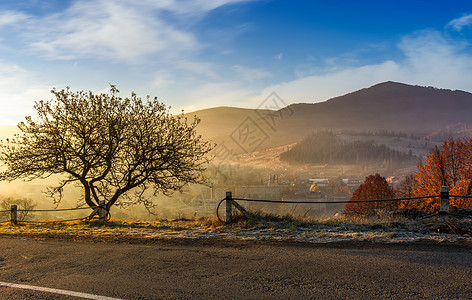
(205, 53)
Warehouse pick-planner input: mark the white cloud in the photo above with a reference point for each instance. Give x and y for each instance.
(108, 30)
(279, 56)
(250, 74)
(120, 30)
(434, 60)
(461, 22)
(184, 7)
(11, 18)
(200, 68)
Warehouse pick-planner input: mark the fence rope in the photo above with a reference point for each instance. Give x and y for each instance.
(89, 217)
(334, 202)
(329, 202)
(60, 209)
(67, 220)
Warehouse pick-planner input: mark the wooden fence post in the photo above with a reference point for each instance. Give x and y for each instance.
(229, 207)
(102, 212)
(14, 214)
(444, 208)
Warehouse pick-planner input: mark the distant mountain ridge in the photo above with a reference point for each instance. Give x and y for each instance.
(388, 106)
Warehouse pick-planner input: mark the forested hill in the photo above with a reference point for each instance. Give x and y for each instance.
(326, 148)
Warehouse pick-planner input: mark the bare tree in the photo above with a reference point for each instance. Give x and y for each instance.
(114, 148)
(25, 205)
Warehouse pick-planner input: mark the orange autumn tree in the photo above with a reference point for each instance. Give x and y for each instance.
(374, 187)
(405, 190)
(450, 165)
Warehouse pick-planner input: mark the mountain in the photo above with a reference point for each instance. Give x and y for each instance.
(390, 106)
(220, 121)
(387, 106)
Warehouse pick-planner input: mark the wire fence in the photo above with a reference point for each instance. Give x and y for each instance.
(443, 196)
(99, 211)
(334, 202)
(104, 215)
(2, 212)
(60, 209)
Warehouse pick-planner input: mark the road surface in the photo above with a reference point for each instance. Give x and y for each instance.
(215, 269)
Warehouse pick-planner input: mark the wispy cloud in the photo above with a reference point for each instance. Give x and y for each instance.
(184, 7)
(279, 56)
(200, 68)
(461, 22)
(107, 30)
(11, 18)
(121, 30)
(251, 74)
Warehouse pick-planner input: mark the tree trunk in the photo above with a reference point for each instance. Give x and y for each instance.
(87, 194)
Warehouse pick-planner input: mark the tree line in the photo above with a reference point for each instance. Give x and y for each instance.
(380, 132)
(325, 147)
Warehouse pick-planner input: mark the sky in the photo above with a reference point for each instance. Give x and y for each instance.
(205, 53)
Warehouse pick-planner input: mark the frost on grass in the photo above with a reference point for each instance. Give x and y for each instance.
(258, 228)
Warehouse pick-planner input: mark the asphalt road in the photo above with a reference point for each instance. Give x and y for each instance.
(216, 269)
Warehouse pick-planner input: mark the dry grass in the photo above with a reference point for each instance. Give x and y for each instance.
(261, 226)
